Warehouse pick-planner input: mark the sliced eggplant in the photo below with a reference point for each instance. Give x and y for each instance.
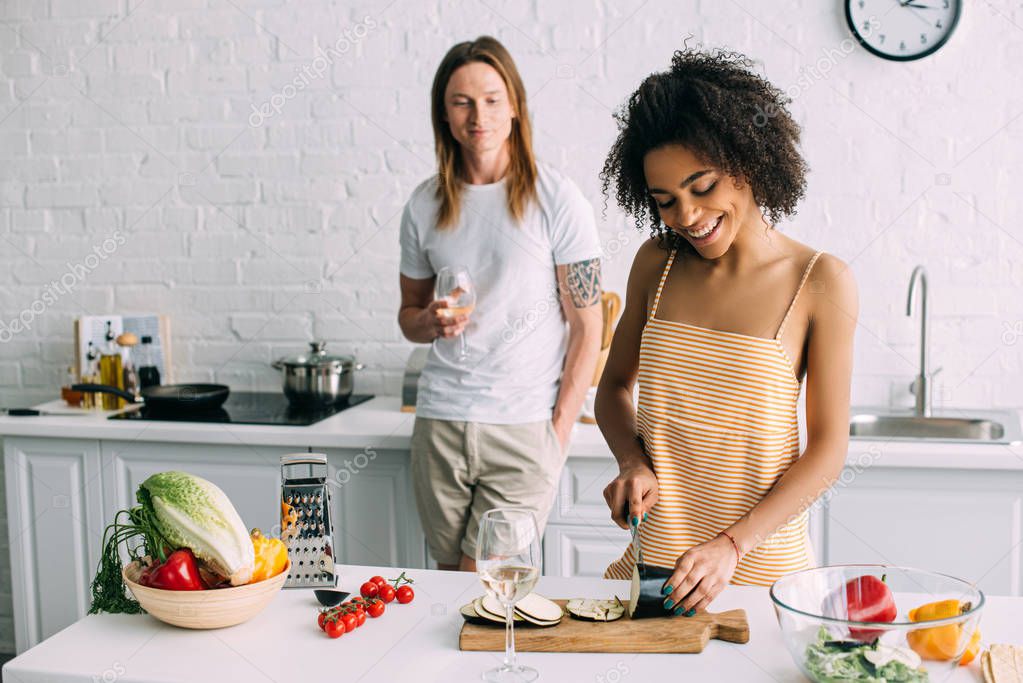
(537, 622)
(536, 608)
(496, 615)
(490, 608)
(470, 615)
(646, 598)
(493, 606)
(596, 610)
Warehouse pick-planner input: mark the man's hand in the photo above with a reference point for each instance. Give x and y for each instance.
(563, 428)
(442, 322)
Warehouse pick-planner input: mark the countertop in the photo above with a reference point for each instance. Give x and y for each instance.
(379, 423)
(414, 642)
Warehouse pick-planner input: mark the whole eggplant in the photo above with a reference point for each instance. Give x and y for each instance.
(647, 597)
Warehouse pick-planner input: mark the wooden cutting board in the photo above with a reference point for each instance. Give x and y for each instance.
(657, 634)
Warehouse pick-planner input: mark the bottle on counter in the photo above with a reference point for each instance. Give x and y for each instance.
(71, 397)
(111, 371)
(149, 374)
(91, 376)
(129, 341)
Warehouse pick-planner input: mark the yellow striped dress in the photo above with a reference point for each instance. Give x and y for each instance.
(717, 416)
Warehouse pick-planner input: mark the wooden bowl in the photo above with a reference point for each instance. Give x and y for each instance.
(215, 608)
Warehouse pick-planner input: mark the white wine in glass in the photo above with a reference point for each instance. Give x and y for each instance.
(454, 285)
(508, 564)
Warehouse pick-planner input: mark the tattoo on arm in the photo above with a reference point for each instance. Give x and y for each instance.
(583, 281)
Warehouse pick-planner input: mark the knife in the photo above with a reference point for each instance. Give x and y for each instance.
(637, 546)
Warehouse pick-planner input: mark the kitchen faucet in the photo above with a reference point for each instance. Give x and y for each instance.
(921, 386)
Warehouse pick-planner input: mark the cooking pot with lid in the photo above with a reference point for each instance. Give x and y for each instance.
(317, 378)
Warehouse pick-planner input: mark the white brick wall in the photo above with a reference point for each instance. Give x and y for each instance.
(121, 115)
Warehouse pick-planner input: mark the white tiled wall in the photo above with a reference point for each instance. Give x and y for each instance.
(258, 228)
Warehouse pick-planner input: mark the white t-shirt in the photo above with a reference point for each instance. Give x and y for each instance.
(517, 333)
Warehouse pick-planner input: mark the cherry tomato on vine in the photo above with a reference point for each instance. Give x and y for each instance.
(334, 628)
(405, 594)
(350, 621)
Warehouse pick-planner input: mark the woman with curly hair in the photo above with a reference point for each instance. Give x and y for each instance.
(724, 318)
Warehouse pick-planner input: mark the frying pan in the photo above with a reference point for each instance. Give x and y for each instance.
(168, 397)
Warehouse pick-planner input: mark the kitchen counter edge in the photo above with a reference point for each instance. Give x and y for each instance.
(380, 424)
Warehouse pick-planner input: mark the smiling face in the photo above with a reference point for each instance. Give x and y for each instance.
(477, 107)
(696, 201)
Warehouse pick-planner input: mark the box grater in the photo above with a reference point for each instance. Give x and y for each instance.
(305, 521)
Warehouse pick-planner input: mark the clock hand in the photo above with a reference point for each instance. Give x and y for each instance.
(913, 9)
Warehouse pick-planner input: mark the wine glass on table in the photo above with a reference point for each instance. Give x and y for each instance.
(454, 285)
(508, 564)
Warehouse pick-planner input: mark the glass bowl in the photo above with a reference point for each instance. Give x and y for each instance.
(814, 607)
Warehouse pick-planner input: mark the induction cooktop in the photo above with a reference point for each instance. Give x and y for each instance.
(250, 407)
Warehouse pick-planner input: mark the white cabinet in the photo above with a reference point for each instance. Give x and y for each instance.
(61, 494)
(966, 523)
(374, 510)
(249, 475)
(581, 491)
(581, 539)
(56, 522)
(582, 550)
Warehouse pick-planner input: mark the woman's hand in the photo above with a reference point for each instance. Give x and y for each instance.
(631, 494)
(441, 322)
(701, 573)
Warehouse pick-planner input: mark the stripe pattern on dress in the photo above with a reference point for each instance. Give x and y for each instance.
(717, 416)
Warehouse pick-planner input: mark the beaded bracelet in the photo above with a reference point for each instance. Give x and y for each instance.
(738, 555)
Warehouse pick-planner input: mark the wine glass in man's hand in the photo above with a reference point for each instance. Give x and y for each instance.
(454, 286)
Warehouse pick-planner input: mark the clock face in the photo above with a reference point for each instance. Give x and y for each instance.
(902, 29)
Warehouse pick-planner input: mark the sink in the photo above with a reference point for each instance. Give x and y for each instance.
(990, 427)
(924, 423)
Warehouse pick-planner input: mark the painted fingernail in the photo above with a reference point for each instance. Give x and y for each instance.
(667, 589)
(691, 612)
(635, 520)
(645, 515)
(679, 610)
(668, 603)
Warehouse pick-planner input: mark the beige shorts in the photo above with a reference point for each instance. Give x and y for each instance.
(462, 469)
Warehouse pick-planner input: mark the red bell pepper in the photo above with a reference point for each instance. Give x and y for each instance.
(868, 598)
(179, 573)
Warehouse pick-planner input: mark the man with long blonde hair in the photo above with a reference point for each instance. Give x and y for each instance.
(492, 427)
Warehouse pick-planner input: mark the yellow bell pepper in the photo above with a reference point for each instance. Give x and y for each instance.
(941, 642)
(271, 556)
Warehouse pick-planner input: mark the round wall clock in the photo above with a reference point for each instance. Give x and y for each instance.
(902, 30)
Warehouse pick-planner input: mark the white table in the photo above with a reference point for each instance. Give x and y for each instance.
(413, 643)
